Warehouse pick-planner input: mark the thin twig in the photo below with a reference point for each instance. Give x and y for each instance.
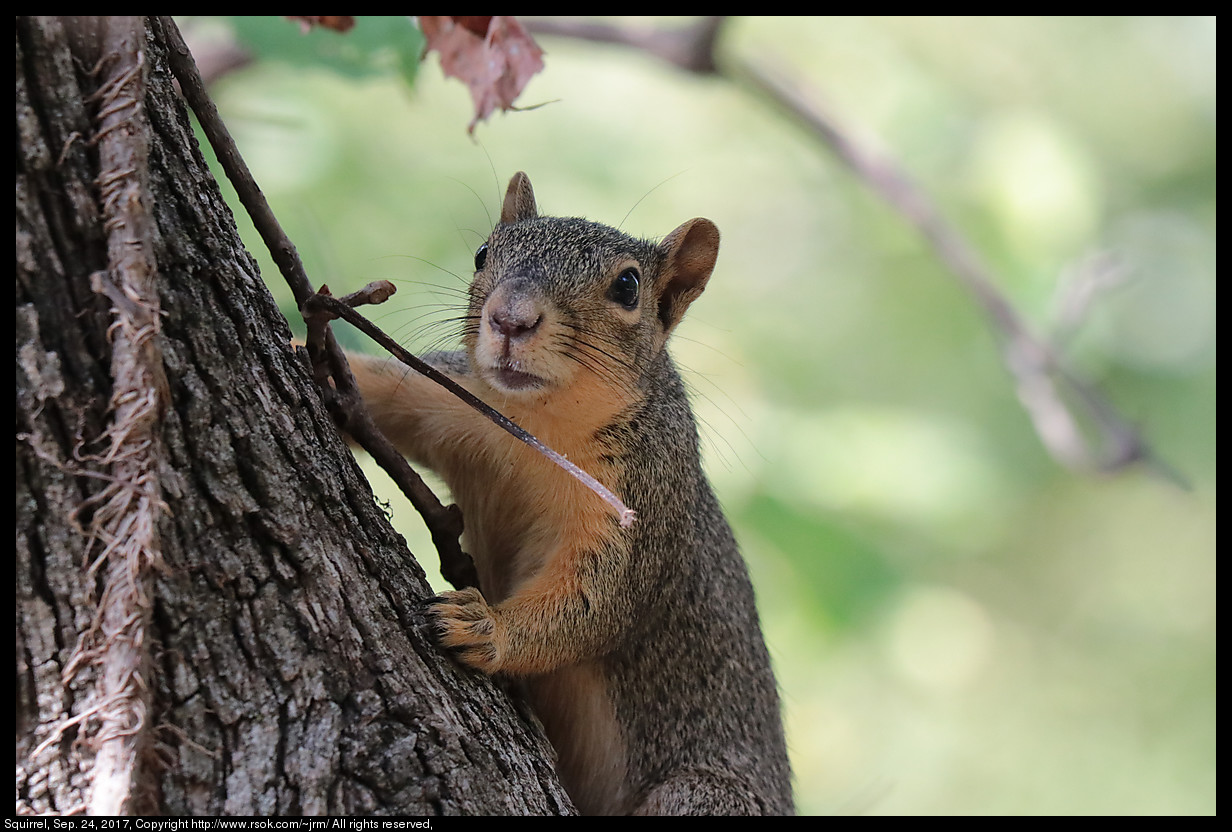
(324, 303)
(348, 409)
(192, 87)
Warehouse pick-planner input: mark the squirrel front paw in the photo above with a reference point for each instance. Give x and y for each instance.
(468, 627)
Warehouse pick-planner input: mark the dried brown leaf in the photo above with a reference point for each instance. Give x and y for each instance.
(494, 56)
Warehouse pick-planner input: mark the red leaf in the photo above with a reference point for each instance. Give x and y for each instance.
(473, 23)
(495, 57)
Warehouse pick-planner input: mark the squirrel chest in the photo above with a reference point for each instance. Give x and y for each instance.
(640, 647)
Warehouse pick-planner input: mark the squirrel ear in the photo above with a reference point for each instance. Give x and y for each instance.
(688, 253)
(519, 200)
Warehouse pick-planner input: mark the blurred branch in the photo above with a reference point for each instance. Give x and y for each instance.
(1082, 285)
(687, 47)
(1035, 366)
(1059, 403)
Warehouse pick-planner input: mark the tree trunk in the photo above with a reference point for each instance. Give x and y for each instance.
(276, 657)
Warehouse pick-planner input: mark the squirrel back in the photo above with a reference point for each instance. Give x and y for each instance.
(640, 647)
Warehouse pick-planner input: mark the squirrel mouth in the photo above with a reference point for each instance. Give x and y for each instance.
(512, 379)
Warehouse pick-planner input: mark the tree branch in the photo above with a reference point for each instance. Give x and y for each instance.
(346, 405)
(690, 47)
(1036, 368)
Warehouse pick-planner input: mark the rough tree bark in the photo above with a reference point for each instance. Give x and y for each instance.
(281, 664)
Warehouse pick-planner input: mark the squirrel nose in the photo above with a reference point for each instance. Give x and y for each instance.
(514, 320)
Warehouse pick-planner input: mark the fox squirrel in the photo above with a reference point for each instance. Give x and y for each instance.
(639, 647)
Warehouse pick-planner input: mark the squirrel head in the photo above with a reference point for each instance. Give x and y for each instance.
(554, 299)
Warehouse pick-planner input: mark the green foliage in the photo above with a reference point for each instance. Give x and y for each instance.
(846, 576)
(375, 46)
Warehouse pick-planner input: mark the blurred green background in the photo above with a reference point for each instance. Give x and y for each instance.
(959, 624)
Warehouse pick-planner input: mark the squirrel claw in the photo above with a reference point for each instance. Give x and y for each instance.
(467, 626)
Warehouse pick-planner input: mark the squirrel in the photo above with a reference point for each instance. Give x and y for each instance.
(639, 648)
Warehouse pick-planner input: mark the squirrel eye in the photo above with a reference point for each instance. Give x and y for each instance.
(481, 256)
(624, 288)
